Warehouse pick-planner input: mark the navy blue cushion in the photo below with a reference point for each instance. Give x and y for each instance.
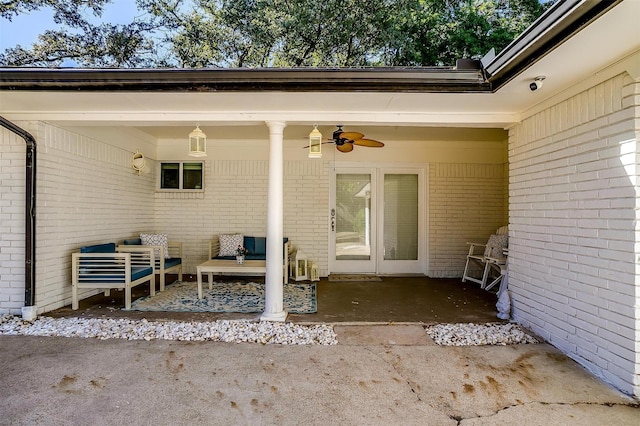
(168, 263)
(225, 257)
(99, 248)
(261, 245)
(140, 271)
(102, 275)
(250, 244)
(246, 257)
(257, 247)
(133, 242)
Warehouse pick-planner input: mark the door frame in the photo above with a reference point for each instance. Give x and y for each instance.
(352, 266)
(396, 267)
(377, 170)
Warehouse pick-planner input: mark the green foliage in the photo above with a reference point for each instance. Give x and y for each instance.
(275, 33)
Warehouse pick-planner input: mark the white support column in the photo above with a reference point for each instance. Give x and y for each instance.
(274, 291)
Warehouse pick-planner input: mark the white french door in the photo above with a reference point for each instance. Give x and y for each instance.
(377, 221)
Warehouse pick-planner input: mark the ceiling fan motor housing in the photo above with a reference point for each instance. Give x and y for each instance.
(336, 137)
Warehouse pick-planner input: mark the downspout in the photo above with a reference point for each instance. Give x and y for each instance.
(30, 310)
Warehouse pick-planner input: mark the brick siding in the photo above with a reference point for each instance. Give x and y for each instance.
(573, 228)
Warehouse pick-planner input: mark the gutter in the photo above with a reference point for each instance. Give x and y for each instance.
(29, 311)
(558, 24)
(464, 77)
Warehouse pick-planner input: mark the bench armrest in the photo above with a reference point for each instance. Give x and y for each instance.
(214, 247)
(139, 255)
(472, 248)
(175, 249)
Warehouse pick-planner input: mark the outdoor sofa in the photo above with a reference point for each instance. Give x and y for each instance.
(224, 247)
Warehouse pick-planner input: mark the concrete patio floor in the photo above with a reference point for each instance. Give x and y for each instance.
(376, 375)
(392, 300)
(385, 370)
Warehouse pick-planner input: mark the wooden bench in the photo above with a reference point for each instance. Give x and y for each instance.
(257, 251)
(103, 266)
(163, 264)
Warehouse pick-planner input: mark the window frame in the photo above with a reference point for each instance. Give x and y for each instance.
(181, 171)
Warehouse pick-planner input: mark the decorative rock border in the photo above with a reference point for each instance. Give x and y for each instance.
(478, 334)
(218, 331)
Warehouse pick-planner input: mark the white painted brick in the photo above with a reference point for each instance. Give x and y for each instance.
(595, 244)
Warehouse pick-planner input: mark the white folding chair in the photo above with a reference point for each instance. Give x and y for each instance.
(491, 260)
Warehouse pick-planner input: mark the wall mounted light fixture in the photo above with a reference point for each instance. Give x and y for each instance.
(138, 162)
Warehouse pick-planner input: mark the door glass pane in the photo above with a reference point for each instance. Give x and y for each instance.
(353, 217)
(400, 217)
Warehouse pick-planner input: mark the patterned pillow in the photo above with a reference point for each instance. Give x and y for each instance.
(496, 245)
(156, 240)
(229, 244)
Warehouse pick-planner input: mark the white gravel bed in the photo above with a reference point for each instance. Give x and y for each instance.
(241, 331)
(478, 334)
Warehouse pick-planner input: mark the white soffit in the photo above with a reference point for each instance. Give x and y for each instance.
(581, 61)
(166, 109)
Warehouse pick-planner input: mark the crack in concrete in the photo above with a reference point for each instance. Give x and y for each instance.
(395, 368)
(461, 419)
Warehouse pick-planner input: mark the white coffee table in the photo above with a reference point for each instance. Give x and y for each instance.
(218, 266)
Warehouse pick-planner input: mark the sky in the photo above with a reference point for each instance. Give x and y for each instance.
(25, 28)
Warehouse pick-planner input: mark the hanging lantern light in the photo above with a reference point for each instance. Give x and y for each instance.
(197, 143)
(315, 143)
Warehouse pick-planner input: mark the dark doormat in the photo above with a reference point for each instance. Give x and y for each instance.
(353, 277)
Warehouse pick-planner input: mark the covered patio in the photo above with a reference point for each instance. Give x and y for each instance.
(393, 300)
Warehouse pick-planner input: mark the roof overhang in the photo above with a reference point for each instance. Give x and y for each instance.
(573, 44)
(557, 25)
(426, 80)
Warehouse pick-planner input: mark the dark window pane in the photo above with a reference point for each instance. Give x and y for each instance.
(169, 176)
(192, 176)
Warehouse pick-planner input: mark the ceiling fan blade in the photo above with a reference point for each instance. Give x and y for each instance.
(347, 147)
(330, 141)
(368, 142)
(351, 135)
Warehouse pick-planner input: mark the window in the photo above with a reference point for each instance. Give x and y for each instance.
(182, 176)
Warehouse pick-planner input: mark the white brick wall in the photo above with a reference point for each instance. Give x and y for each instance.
(467, 203)
(235, 200)
(86, 193)
(574, 234)
(12, 221)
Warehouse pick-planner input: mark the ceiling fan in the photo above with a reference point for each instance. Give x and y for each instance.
(345, 141)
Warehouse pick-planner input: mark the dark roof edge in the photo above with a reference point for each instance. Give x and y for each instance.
(436, 79)
(559, 23)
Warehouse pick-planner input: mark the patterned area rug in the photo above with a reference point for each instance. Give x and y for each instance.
(239, 296)
(353, 277)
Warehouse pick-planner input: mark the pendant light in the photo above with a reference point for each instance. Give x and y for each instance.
(197, 143)
(315, 143)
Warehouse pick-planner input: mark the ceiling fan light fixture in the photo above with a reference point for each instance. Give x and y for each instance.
(315, 143)
(197, 143)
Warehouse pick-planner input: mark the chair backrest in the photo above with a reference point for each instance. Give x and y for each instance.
(496, 245)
